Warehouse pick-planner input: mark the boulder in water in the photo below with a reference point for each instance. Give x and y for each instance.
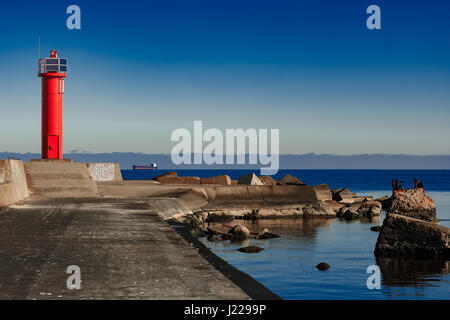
(406, 237)
(250, 249)
(265, 234)
(240, 231)
(323, 266)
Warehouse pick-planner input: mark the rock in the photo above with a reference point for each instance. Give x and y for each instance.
(370, 209)
(343, 196)
(385, 201)
(350, 214)
(323, 192)
(323, 266)
(406, 237)
(336, 206)
(354, 207)
(318, 209)
(350, 211)
(198, 232)
(240, 231)
(340, 213)
(250, 249)
(291, 180)
(268, 181)
(265, 234)
(223, 179)
(376, 228)
(250, 179)
(226, 237)
(362, 198)
(413, 203)
(213, 238)
(253, 215)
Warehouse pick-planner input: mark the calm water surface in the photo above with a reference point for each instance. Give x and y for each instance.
(287, 265)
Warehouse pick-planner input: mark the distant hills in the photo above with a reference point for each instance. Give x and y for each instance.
(287, 161)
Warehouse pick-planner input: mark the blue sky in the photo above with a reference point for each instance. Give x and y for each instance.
(140, 69)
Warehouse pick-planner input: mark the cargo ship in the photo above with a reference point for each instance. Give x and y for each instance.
(153, 166)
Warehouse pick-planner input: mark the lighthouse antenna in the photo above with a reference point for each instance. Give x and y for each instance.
(39, 46)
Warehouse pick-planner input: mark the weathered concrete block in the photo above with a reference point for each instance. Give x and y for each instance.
(60, 179)
(323, 192)
(250, 179)
(223, 179)
(407, 237)
(164, 175)
(343, 196)
(413, 203)
(370, 208)
(289, 179)
(268, 181)
(385, 201)
(336, 206)
(179, 180)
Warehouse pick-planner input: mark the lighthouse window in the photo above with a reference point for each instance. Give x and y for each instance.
(51, 61)
(63, 61)
(52, 68)
(63, 68)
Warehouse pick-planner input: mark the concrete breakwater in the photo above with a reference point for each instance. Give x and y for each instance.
(217, 197)
(122, 246)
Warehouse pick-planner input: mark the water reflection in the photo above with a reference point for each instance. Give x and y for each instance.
(412, 273)
(297, 227)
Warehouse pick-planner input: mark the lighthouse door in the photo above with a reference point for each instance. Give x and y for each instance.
(52, 147)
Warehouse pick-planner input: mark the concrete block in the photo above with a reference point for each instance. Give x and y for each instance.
(250, 179)
(323, 192)
(224, 179)
(178, 180)
(268, 181)
(289, 180)
(343, 196)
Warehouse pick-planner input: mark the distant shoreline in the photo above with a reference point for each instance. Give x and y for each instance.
(309, 161)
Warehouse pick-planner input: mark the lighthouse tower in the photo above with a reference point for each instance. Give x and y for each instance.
(52, 70)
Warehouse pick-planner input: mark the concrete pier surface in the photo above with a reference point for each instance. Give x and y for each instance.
(124, 251)
(58, 213)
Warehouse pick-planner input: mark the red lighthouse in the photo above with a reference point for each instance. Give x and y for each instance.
(52, 71)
